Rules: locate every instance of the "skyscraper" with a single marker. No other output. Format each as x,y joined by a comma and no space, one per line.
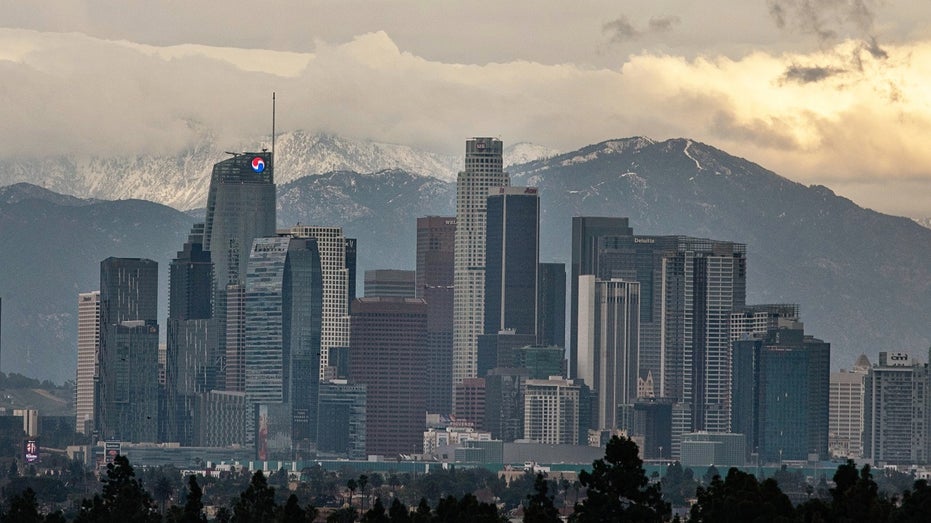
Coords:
240,208
896,414
512,260
436,238
336,269
551,411
845,427
192,360
609,344
88,343
794,393
688,289
483,171
551,305
283,304
386,350
128,388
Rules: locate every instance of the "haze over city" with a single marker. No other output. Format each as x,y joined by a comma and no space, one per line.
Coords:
830,92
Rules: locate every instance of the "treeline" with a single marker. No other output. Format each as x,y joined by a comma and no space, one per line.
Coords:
616,489
18,381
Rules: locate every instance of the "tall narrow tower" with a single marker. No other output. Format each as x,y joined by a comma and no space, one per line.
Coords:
88,340
240,208
483,171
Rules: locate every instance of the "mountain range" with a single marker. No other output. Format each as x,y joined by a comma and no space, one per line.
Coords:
862,278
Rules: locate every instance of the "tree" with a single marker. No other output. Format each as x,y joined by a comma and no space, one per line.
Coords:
162,491
739,497
399,513
467,510
856,496
916,504
678,484
192,512
257,503
363,481
540,507
123,498
376,514
23,508
351,485
292,512
618,488
423,514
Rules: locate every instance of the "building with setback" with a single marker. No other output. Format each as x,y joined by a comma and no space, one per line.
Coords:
387,347
609,344
436,238
483,171
128,389
191,332
337,262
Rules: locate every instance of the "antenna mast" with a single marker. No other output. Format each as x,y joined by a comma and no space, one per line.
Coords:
273,129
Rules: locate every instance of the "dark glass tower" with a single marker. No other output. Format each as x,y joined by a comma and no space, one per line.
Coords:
192,361
551,305
512,260
436,237
283,311
128,388
240,208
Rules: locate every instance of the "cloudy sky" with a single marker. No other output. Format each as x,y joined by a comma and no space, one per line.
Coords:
833,92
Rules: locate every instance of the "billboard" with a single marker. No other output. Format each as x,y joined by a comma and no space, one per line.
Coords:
111,450
31,451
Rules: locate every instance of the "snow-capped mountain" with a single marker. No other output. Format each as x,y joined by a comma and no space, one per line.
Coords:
181,180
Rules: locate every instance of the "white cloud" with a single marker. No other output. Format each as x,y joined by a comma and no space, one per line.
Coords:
865,121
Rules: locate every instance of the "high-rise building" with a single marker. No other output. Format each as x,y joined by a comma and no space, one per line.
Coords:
504,403
845,426
389,283
895,430
284,296
551,305
745,390
753,321
240,208
469,403
541,362
343,406
192,362
512,260
497,350
483,172
338,285
794,393
128,389
551,411
88,343
609,344
387,347
688,289
436,237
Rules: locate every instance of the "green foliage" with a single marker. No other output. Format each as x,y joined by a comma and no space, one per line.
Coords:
540,507
123,498
856,496
376,514
466,510
292,512
618,488
678,485
192,512
739,497
257,503
399,513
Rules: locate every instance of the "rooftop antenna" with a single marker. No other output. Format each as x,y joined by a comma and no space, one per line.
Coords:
273,131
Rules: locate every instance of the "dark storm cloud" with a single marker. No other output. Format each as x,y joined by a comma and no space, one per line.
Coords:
828,19
661,24
622,29
806,75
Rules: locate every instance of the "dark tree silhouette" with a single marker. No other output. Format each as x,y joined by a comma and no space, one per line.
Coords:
123,498
618,488
292,512
739,497
376,514
257,503
540,507
399,513
192,512
856,496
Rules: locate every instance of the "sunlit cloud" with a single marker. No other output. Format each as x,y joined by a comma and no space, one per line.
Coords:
841,115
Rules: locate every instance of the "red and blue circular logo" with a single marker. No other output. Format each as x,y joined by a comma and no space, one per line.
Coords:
258,164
